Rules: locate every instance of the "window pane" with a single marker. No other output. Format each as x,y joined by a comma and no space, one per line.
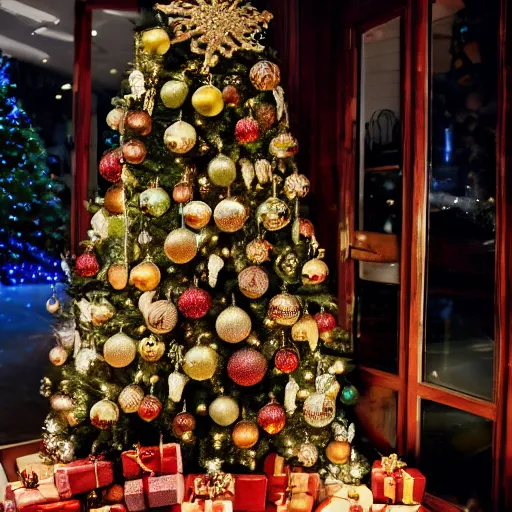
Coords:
460,295
456,454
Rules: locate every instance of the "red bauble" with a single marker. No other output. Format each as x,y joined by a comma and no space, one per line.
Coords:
230,95
325,321
247,130
138,122
272,418
286,360
150,408
194,303
183,422
87,265
110,166
247,367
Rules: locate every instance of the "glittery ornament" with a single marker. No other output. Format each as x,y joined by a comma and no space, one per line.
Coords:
245,434
247,367
200,363
114,199
315,271
181,246
319,410
183,422
265,75
149,408
134,151
208,101
156,41
274,214
230,215
197,214
224,411
154,201
115,118
296,186
253,282
306,329
182,192
349,395
118,276
85,359
265,115
284,145
87,265
247,130
222,171
338,452
233,325
145,276
231,96
326,322
194,303
61,403
286,360
151,349
138,122
180,137
284,309
263,169
247,171
52,305
177,382
272,418
104,414
258,250
130,398
119,350
174,93
110,166
307,454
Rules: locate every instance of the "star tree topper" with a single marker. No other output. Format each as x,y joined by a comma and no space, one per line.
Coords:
216,27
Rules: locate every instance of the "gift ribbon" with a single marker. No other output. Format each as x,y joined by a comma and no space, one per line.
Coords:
147,453
408,493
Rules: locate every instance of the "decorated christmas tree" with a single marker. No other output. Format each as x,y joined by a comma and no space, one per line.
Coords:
34,222
201,308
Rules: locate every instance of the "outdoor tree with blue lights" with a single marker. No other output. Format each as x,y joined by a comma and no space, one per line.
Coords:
33,223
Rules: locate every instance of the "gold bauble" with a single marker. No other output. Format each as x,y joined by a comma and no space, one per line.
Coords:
338,452
245,434
200,363
269,323
156,41
309,376
274,214
314,271
303,394
202,409
224,411
233,325
145,276
265,75
222,171
151,349
130,398
174,93
208,101
226,252
58,355
182,192
161,316
115,118
114,199
180,137
52,305
118,276
253,340
120,350
187,437
284,309
181,246
230,215
253,282
197,214
104,414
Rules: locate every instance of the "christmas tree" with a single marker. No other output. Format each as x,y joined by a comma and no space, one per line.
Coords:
34,223
201,308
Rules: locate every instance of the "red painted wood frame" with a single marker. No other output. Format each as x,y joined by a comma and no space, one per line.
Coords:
416,97
82,92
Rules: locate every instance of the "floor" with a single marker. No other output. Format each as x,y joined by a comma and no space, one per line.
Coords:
25,340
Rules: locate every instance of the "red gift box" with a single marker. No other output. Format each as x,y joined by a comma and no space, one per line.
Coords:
277,474
82,476
206,487
251,493
59,506
164,459
163,491
207,506
308,483
24,497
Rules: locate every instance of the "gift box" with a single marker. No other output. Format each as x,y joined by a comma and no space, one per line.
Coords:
27,493
251,493
308,483
7,506
134,495
207,506
110,508
220,487
58,506
35,463
164,459
163,491
277,475
82,476
396,508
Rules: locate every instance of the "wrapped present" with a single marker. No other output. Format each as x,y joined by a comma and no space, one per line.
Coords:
396,508
82,476
251,493
31,491
165,490
35,463
134,495
164,459
308,483
301,502
220,486
357,494
58,506
110,508
7,506
277,474
207,506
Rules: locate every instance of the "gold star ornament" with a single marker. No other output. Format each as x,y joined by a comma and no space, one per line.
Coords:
216,27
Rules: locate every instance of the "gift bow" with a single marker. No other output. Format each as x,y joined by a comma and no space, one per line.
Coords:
142,454
392,463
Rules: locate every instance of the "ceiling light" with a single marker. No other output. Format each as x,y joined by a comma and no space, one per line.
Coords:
59,35
58,96
44,61
113,71
94,33
22,51
66,87
20,9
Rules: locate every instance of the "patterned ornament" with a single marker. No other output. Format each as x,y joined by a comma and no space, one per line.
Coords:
104,414
286,360
263,170
181,246
174,93
284,145
247,130
224,411
150,408
265,115
338,452
137,85
306,329
247,171
102,312
115,118
274,214
138,122
326,323
134,151
177,382
349,395
183,422
222,171
319,410
111,167
118,276
258,250
114,199
231,96
265,75
253,282
247,367
145,276
245,434
306,228
85,359
119,350
182,192
156,41
284,309
130,398
151,349
200,363
208,101
307,454
87,265
161,316
233,325
197,214
296,186
154,201
315,271
272,418
180,137
230,215
194,303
